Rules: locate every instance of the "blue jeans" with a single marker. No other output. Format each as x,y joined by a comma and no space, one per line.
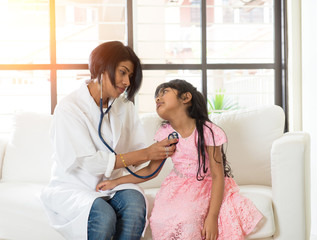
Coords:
121,217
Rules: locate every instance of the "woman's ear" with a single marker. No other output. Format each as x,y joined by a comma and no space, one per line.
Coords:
187,97
100,79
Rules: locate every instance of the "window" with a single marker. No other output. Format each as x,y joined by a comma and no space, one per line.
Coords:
227,48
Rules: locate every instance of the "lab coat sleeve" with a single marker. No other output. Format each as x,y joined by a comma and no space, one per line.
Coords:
72,143
98,164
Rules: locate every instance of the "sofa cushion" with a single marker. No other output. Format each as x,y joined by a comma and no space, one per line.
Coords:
28,153
250,136
151,123
23,216
261,196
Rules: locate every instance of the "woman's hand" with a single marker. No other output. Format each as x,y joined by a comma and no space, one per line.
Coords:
210,230
106,185
162,149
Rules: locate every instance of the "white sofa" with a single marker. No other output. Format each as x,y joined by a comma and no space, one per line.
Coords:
272,169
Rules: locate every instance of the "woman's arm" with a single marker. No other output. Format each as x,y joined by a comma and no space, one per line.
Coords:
210,230
157,151
110,184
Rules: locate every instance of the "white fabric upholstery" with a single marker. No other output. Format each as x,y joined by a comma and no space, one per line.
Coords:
291,185
261,196
28,153
270,167
22,216
3,145
250,135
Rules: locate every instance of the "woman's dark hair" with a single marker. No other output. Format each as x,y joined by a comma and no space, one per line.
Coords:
107,56
198,111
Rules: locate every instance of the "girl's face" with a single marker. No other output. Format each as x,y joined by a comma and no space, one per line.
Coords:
167,102
123,74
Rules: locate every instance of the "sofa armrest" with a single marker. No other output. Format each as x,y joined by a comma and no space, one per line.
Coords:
290,169
3,145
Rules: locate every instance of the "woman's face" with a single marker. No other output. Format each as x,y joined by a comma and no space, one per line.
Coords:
123,74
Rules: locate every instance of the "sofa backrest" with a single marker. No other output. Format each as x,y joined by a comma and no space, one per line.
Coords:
151,123
250,134
28,152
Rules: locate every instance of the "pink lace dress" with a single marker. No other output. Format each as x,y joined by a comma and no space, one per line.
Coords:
182,202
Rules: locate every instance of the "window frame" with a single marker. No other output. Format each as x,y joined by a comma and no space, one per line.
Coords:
279,65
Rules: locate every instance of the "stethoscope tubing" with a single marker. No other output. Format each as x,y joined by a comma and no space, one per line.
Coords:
102,114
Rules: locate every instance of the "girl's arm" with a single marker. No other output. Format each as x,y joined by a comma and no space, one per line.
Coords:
210,230
110,184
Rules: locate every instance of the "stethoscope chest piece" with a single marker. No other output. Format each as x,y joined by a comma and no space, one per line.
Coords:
173,135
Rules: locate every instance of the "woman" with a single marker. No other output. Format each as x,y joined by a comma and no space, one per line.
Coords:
81,160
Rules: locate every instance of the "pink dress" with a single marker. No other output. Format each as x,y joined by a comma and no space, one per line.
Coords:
182,202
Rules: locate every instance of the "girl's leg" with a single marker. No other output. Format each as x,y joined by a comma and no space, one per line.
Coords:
101,221
130,208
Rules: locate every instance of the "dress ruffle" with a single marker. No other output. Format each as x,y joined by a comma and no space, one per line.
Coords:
238,216
181,207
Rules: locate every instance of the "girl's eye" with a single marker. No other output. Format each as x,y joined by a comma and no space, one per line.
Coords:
122,72
161,93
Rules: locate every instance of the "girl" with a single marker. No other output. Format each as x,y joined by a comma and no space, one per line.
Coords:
199,198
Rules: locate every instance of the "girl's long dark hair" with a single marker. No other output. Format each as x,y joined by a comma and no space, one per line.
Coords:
198,111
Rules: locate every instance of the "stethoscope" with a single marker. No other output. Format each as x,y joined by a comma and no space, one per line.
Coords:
102,114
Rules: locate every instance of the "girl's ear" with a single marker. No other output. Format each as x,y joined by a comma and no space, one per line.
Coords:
187,97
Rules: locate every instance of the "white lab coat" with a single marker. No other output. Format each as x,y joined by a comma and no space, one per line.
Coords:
81,160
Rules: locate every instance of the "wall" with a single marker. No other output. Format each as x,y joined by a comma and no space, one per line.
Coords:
302,70
309,91
294,65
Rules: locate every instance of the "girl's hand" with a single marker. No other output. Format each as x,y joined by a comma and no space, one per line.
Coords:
162,149
210,230
106,185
